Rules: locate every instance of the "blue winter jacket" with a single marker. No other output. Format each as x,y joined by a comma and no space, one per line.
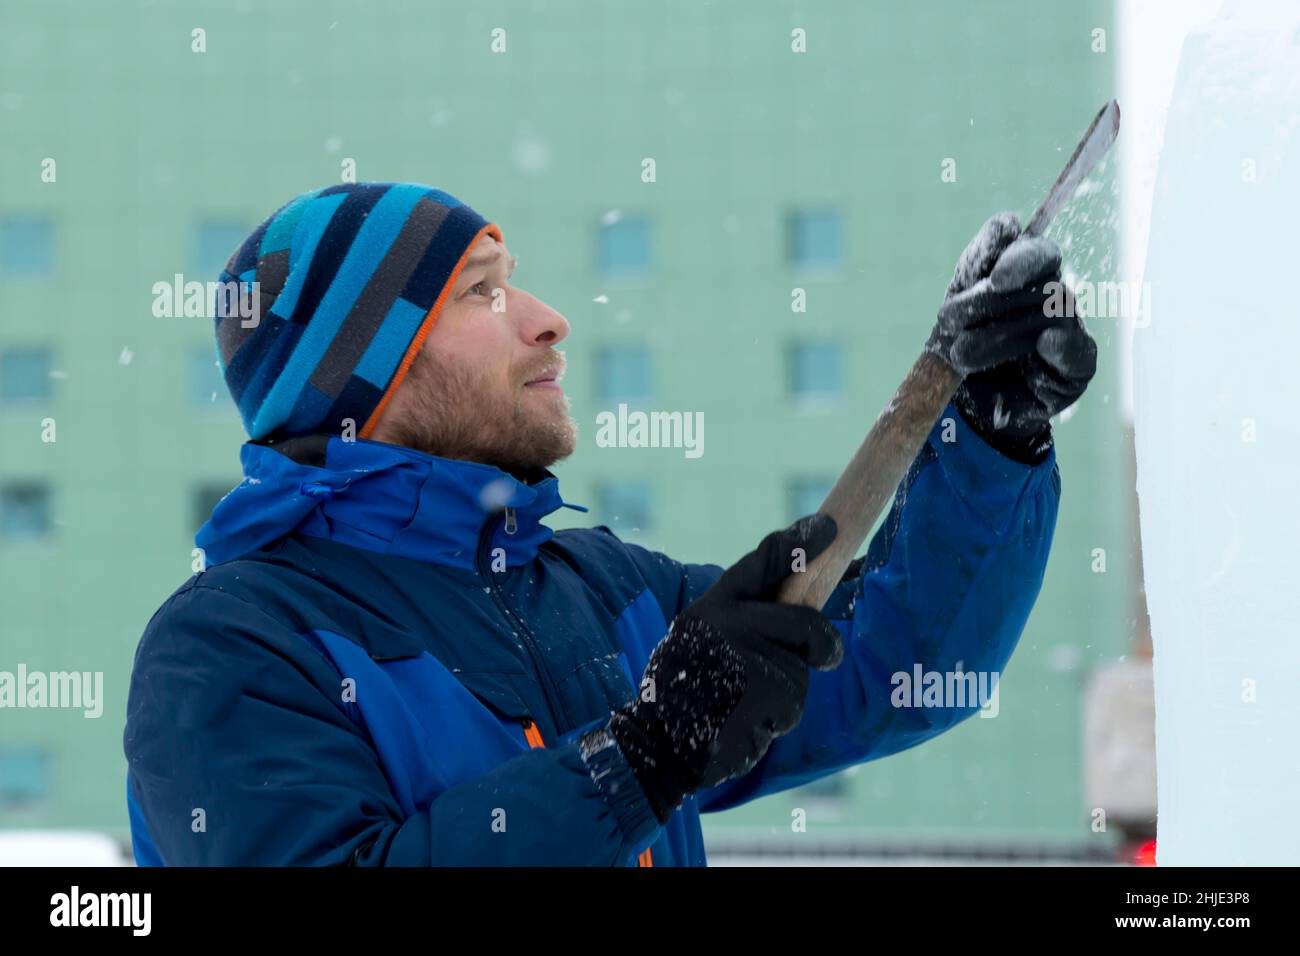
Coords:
389,658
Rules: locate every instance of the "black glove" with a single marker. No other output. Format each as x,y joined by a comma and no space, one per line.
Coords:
1045,361
994,309
731,674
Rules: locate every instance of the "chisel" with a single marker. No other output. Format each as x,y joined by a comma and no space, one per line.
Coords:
884,456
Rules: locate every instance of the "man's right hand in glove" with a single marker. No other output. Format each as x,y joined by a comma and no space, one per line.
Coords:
1023,362
731,674
994,308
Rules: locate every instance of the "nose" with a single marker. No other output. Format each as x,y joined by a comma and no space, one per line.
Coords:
539,324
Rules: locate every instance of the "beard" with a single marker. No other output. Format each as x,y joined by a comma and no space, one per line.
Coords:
454,411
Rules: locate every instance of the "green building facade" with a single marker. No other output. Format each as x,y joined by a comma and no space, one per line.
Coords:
670,176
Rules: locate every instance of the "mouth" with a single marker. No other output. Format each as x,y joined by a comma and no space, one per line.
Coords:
548,380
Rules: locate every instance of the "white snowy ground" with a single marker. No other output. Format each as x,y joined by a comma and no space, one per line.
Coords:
60,848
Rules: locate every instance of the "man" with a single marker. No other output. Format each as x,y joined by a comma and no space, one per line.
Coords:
391,660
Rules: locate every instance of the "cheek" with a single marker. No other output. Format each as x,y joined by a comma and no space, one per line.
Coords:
476,341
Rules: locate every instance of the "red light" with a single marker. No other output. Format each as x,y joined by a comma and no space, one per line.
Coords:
1145,854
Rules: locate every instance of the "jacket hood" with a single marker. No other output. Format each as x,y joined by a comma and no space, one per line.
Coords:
381,497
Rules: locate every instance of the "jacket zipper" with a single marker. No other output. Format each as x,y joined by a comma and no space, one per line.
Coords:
531,731
530,643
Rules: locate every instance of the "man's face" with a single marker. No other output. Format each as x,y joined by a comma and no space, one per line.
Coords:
485,384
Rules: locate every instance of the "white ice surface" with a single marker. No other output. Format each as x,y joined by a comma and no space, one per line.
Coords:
1219,513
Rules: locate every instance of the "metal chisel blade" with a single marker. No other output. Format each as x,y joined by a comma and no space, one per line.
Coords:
1093,146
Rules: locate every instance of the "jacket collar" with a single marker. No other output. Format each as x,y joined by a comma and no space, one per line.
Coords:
383,498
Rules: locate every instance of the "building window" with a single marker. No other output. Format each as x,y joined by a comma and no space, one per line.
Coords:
208,390
814,239
204,500
26,247
624,374
815,372
25,512
214,244
805,495
25,374
625,506
24,777
625,248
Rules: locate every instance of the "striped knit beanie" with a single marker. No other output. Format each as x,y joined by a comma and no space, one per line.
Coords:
349,281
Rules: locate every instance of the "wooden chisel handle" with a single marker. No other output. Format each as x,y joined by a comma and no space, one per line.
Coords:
886,453
871,477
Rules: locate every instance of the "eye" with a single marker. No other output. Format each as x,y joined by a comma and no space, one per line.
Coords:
478,288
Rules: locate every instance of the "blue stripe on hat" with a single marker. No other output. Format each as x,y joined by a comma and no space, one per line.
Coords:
455,234
280,233
310,409
305,239
362,256
446,199
245,257
249,359
333,247
386,349
355,401
268,370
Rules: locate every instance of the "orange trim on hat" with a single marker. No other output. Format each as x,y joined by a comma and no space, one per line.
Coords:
490,229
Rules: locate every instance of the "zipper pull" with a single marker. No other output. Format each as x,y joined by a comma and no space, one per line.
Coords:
511,527
532,734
